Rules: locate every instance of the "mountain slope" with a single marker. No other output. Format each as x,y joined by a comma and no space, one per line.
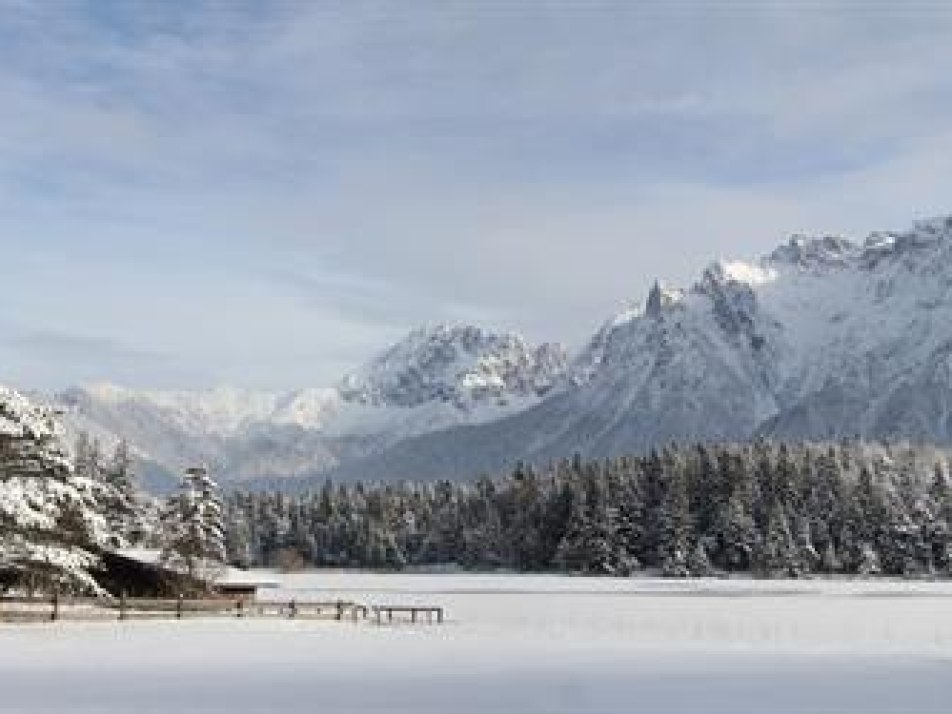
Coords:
822,338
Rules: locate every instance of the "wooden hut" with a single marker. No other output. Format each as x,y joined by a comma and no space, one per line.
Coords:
140,572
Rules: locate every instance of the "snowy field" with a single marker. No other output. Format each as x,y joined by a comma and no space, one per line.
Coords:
513,644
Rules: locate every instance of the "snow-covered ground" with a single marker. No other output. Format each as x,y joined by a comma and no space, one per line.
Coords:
513,644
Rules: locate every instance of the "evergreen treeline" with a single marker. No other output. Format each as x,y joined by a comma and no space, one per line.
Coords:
774,510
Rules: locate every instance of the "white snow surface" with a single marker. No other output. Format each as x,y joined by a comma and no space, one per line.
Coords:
520,644
749,273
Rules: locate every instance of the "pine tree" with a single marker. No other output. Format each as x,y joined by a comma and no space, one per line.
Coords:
625,490
121,499
674,519
49,529
776,554
738,534
939,520
193,528
830,561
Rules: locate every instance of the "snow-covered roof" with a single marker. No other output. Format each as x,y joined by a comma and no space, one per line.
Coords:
146,556
231,576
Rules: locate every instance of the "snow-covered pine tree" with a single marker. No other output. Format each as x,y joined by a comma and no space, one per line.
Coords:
737,534
483,543
625,490
777,555
238,531
123,512
111,485
674,518
572,554
830,561
939,519
699,564
733,529
592,541
193,528
49,528
808,557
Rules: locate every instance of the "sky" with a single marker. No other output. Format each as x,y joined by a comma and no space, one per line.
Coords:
265,194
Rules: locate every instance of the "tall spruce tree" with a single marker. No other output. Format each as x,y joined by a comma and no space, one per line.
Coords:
193,527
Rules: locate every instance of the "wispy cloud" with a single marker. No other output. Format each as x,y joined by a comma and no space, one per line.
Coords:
55,356
268,190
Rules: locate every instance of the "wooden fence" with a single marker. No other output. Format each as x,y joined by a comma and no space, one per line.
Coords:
52,609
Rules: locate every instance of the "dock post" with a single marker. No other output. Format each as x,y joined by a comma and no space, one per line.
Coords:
179,606
439,615
54,615
122,605
340,611
292,609
240,606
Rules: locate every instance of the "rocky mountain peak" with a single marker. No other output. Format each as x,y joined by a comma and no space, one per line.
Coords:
816,253
662,298
459,364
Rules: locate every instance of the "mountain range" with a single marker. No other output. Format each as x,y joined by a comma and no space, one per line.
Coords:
822,338
436,378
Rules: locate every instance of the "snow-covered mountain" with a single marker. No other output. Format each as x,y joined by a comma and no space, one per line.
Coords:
824,337
436,378
461,365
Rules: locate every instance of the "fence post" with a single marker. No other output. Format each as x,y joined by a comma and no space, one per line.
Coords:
179,606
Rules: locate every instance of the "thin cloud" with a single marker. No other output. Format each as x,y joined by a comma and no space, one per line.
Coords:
271,191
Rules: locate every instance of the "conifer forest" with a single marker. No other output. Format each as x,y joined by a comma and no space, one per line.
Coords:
768,509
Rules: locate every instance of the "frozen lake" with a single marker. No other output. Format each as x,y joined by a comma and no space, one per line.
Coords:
513,644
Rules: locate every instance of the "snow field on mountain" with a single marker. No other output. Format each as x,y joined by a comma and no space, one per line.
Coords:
513,644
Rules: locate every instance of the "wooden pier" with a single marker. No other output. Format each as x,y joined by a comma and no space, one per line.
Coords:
412,610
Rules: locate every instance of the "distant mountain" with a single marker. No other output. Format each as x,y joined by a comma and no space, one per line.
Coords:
822,338
437,377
